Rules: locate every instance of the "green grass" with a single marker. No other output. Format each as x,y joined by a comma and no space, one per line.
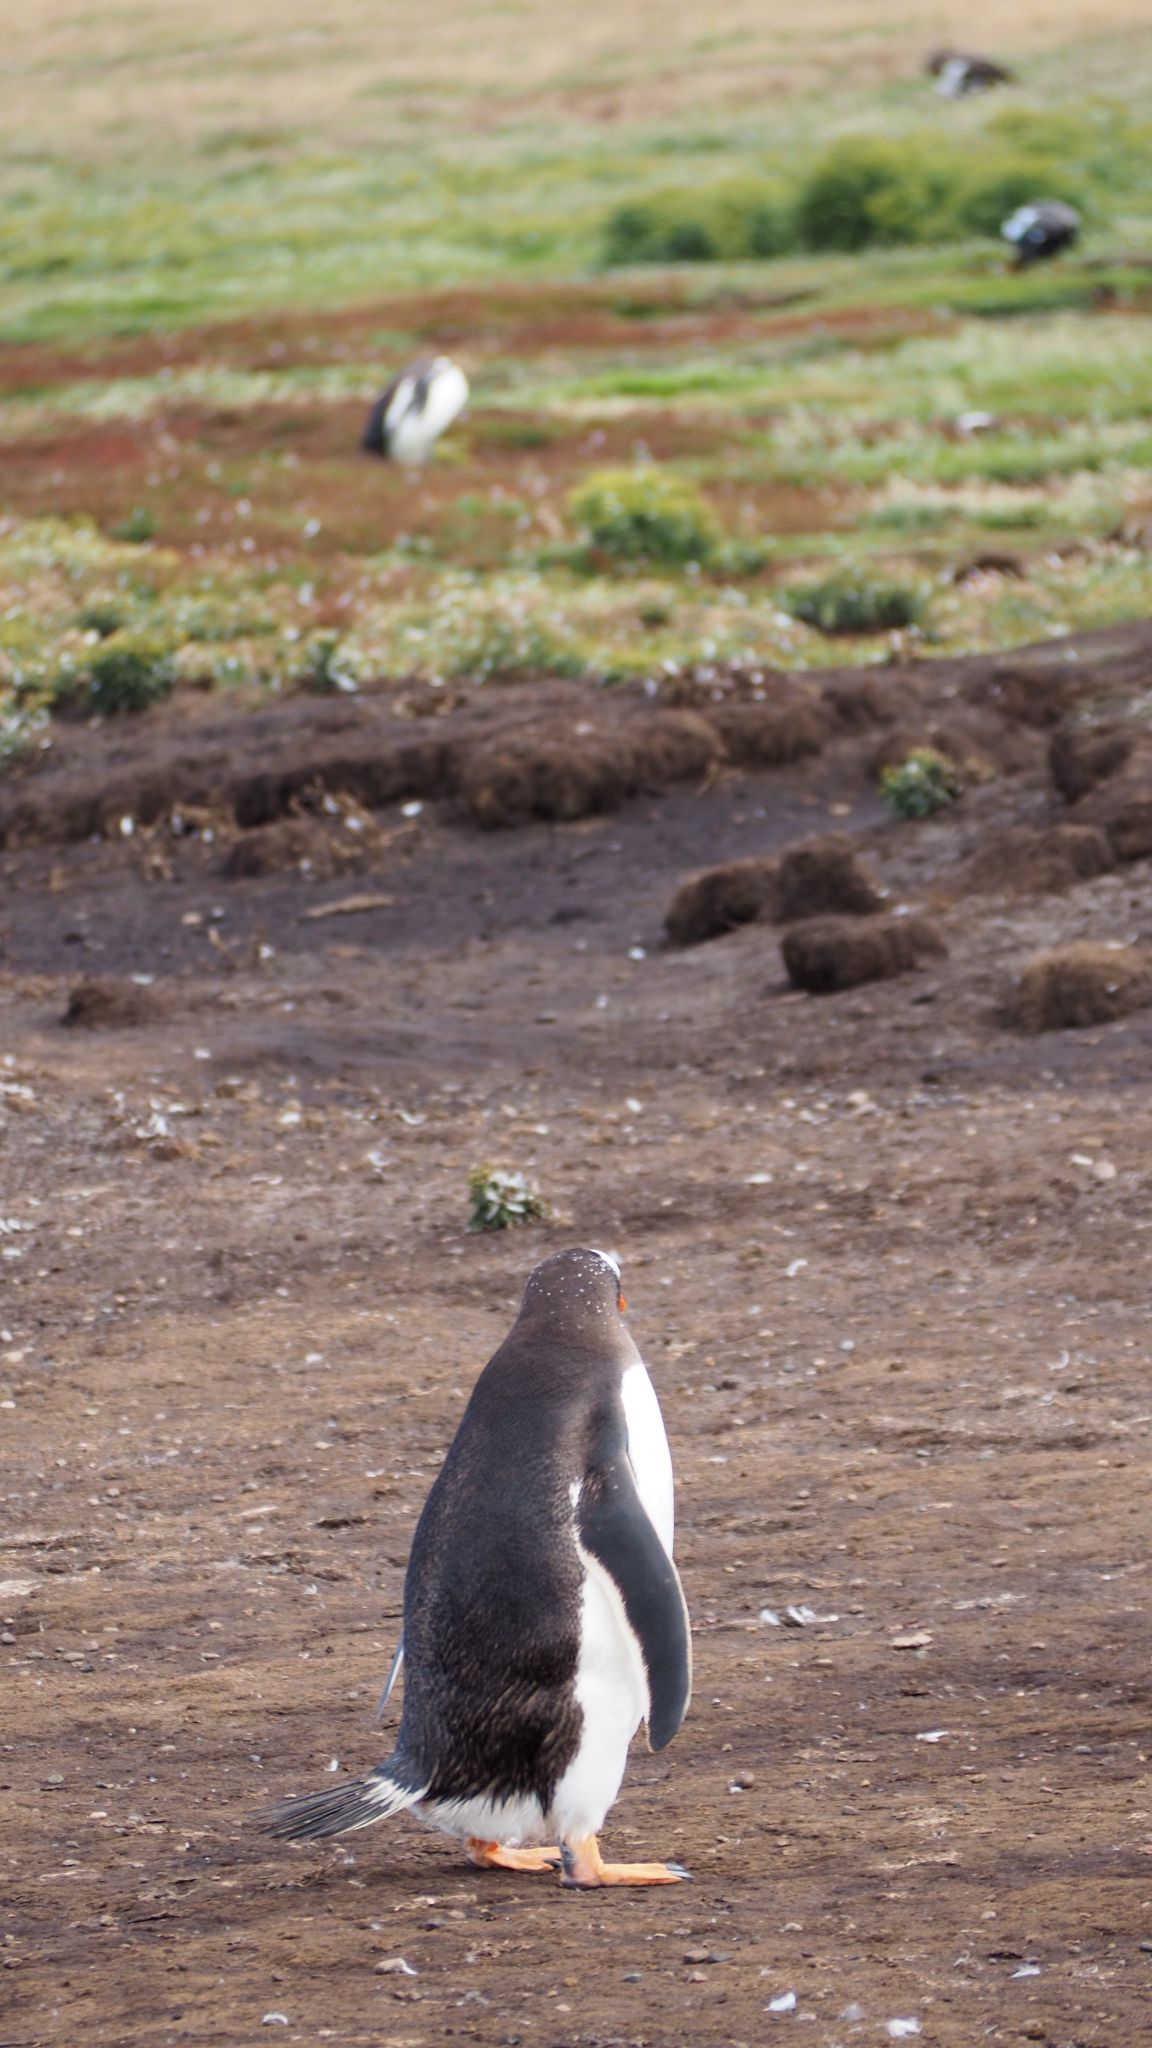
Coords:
841,408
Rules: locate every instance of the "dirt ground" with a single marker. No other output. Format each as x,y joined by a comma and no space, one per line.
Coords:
887,1260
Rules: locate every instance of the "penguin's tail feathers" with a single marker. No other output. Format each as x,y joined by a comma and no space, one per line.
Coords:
357,1804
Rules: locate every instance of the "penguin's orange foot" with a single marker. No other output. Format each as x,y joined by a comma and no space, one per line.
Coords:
494,1856
584,1868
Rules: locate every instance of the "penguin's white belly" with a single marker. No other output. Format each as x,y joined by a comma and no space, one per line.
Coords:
612,1693
517,1823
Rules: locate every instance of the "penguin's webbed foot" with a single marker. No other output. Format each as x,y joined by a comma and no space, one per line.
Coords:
584,1869
494,1856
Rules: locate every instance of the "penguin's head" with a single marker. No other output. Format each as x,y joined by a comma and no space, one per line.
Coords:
575,1285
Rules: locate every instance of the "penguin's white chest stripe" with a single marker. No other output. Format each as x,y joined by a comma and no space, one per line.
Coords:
648,1452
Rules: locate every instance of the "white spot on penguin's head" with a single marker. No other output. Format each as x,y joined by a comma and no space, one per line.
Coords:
608,1259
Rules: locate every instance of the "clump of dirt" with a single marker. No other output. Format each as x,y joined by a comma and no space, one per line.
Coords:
1122,807
342,839
991,563
825,954
1082,984
769,735
1028,692
566,774
1080,757
977,743
107,1003
720,898
824,877
821,876
861,699
1028,862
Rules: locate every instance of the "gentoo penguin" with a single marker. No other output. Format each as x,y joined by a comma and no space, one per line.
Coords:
960,72
410,416
543,1615
1042,229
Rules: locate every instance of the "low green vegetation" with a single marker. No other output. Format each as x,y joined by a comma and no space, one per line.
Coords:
645,514
923,783
127,673
502,1198
833,424
883,190
854,604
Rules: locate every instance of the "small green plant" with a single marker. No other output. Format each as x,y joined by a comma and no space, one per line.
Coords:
139,525
842,604
644,514
868,189
728,221
924,783
321,669
502,1198
128,673
102,615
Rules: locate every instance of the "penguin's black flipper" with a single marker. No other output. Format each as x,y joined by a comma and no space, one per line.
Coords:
373,440
614,1527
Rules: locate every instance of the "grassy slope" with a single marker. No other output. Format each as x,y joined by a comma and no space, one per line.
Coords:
153,173
155,176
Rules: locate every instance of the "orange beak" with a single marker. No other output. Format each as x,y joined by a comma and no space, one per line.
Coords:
620,1301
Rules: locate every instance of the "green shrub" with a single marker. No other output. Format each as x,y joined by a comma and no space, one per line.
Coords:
321,668
139,525
501,1199
841,604
922,188
729,221
128,673
644,514
924,783
869,188
101,615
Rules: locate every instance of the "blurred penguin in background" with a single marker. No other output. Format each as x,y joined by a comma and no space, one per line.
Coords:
959,73
419,404
1045,228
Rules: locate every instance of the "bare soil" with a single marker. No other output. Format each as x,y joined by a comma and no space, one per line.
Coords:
887,1259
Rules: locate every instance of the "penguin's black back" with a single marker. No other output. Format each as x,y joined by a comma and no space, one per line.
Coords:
492,1599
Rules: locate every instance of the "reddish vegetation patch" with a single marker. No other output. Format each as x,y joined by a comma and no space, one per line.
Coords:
514,466
524,320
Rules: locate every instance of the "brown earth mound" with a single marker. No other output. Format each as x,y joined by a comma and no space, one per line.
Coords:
1122,807
772,734
978,743
343,842
717,900
1027,694
1033,863
831,953
1082,984
1082,756
566,774
105,1003
858,701
824,877
504,752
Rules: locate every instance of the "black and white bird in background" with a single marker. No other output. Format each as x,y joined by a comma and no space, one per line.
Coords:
419,404
959,73
543,1614
1044,228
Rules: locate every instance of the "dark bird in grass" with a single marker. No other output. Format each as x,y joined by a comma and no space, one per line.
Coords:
1045,228
419,404
959,73
543,1615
